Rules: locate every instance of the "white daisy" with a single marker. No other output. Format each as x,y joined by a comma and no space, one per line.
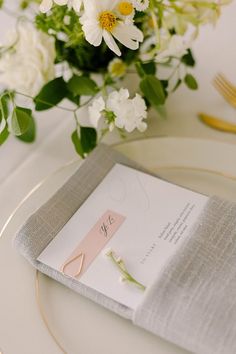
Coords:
46,5
102,20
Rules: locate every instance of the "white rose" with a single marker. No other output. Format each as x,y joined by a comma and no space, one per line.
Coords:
30,63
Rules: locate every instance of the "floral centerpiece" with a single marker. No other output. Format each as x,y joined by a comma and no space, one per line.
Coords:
81,50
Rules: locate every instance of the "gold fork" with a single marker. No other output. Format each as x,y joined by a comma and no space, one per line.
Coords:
226,89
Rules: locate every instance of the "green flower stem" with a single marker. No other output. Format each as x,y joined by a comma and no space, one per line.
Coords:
123,270
45,102
52,105
155,23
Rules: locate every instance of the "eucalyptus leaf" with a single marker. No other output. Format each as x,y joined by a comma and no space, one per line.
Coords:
153,90
51,94
30,135
82,85
191,82
20,120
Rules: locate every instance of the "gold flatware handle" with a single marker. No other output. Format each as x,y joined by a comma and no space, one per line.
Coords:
217,123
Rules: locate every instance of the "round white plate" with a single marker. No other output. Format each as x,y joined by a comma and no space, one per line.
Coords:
82,326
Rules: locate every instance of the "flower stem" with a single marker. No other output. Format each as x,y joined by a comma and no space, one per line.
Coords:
123,270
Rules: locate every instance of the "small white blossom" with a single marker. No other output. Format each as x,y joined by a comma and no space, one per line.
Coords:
46,5
102,20
116,99
30,63
129,113
140,5
95,111
176,47
124,112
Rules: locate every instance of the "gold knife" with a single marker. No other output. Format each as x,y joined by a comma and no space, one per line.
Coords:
217,123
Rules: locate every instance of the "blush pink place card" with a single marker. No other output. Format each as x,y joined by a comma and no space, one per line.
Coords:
142,218
92,244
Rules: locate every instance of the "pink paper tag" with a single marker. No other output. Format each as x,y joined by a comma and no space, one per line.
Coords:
92,244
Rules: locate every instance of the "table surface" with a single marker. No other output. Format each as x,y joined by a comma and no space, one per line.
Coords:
23,166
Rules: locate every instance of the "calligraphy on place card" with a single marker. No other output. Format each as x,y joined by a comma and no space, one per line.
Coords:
91,245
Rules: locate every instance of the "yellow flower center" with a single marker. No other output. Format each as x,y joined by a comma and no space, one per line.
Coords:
107,20
125,8
117,68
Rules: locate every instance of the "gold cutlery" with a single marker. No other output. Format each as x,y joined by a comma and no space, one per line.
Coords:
217,123
225,88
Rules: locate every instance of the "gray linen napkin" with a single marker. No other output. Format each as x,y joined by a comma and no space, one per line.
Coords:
193,301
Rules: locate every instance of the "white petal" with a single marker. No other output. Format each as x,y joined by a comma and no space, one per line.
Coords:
91,7
93,34
61,2
106,4
45,5
77,5
134,32
111,42
83,117
94,117
142,126
128,35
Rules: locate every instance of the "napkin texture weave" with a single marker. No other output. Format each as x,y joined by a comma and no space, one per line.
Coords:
192,303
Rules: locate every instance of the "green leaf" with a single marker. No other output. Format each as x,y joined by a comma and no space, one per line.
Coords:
139,69
88,138
30,135
77,144
82,85
153,90
165,84
178,83
72,98
20,120
188,59
149,68
51,94
162,111
4,135
191,82
4,111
